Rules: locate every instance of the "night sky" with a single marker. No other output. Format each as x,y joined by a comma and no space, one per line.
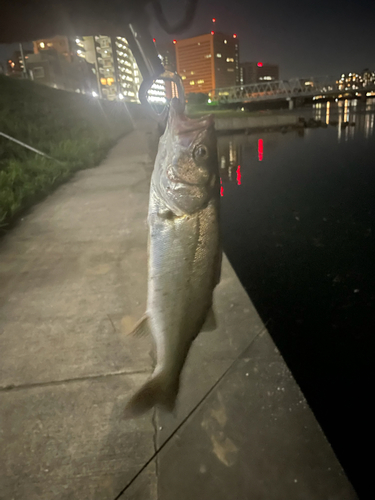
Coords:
312,38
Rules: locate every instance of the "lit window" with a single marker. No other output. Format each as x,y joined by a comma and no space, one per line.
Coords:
207,56
192,72
230,59
230,70
200,81
183,77
225,41
42,45
103,81
218,55
192,82
110,81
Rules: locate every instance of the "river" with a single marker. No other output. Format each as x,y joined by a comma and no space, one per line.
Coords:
298,212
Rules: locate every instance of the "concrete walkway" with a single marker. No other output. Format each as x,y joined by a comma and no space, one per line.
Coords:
72,284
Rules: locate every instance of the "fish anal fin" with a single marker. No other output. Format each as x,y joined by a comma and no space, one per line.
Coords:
141,328
210,323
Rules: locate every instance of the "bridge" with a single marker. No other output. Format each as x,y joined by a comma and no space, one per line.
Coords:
286,89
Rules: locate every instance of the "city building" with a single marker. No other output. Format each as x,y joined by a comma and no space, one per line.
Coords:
51,68
356,81
15,65
117,73
255,72
100,65
368,77
61,44
167,54
208,61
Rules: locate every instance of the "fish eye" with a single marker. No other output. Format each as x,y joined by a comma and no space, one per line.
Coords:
200,152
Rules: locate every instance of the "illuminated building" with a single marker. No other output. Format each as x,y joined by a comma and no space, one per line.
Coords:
350,81
15,64
167,54
117,72
104,64
255,72
355,81
368,77
60,44
208,61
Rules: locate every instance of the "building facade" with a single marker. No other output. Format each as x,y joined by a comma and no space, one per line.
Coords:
118,75
101,65
208,61
60,44
15,65
350,81
167,54
258,72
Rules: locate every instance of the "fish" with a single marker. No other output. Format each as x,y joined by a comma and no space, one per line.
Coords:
184,252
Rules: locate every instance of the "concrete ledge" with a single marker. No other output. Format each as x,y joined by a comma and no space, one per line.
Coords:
73,283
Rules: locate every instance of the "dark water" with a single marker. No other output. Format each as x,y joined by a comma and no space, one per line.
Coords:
298,213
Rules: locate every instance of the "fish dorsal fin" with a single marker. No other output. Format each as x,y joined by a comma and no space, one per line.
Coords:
141,328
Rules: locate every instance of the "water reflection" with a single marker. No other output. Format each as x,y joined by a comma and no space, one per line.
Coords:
328,106
351,118
260,149
348,115
229,152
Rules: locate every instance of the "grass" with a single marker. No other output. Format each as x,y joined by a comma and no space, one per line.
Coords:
74,129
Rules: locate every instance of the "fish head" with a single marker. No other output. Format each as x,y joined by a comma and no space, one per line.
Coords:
186,172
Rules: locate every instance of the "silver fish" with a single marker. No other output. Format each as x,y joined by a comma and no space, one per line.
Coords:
184,251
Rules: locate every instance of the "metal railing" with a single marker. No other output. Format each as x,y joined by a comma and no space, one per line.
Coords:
280,89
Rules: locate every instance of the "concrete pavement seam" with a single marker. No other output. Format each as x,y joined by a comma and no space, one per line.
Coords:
13,387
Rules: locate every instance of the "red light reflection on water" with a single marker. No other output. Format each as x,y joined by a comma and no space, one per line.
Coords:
239,175
260,149
221,188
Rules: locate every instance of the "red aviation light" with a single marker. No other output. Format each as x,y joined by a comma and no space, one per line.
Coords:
234,35
212,32
260,64
214,19
174,41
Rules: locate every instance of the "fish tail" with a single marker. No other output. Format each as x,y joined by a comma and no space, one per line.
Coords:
157,391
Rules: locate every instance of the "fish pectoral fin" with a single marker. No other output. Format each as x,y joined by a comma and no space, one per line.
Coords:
141,328
210,323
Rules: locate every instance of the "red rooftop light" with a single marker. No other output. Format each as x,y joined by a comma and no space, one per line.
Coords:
260,64
212,32
174,41
214,19
154,40
234,35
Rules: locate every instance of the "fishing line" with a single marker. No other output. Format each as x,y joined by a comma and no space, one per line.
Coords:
155,454
28,147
